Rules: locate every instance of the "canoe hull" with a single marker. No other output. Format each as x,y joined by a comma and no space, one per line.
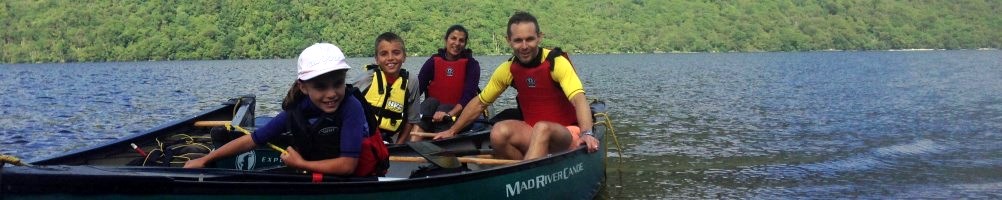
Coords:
574,174
569,177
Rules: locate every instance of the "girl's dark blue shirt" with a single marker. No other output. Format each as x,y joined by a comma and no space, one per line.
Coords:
353,129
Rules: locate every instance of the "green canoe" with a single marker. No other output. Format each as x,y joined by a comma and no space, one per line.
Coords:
104,171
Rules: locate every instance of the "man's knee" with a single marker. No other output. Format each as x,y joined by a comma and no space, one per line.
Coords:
548,129
504,131
554,134
499,133
505,128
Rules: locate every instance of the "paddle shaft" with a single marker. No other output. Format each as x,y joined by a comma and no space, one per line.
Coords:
423,134
211,123
12,160
276,148
241,129
481,161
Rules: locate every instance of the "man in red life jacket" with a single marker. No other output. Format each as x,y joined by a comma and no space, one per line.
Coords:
556,115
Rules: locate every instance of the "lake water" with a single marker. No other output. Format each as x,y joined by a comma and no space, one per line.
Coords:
924,124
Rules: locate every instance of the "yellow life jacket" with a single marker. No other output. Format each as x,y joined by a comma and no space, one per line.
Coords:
389,103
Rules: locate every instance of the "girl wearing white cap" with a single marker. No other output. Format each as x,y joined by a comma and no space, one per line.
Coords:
327,122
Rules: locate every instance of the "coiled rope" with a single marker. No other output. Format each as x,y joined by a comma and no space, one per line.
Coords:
607,123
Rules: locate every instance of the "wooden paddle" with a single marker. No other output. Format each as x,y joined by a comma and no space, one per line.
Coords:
423,134
276,148
211,123
238,128
449,158
481,161
428,151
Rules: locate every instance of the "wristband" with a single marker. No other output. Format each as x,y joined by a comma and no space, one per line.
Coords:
588,133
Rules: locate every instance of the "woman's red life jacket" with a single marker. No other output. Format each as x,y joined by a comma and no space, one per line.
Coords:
447,84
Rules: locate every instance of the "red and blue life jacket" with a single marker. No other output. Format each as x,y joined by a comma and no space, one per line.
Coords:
322,140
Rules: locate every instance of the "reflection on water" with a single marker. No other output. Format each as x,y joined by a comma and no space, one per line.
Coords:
708,125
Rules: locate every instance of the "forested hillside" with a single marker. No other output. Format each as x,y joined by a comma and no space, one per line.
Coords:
83,31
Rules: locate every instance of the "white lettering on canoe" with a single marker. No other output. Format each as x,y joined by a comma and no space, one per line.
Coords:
540,181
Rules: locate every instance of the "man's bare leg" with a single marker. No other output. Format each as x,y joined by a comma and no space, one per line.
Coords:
510,139
548,137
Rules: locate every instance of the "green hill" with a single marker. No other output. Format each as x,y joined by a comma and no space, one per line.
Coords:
76,31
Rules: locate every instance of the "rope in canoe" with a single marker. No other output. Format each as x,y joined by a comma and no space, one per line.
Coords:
607,123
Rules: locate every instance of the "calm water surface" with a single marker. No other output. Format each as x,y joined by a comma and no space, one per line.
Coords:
708,125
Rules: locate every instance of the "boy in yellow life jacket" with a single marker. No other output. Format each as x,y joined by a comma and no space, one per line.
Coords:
388,88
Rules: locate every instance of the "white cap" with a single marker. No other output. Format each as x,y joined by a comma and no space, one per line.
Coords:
320,58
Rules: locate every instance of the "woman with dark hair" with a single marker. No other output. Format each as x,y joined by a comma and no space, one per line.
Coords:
448,79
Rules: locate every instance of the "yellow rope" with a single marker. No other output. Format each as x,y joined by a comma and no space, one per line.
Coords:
607,122
160,145
183,157
187,138
147,159
192,144
236,107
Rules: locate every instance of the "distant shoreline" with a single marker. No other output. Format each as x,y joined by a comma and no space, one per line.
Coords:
674,52
72,31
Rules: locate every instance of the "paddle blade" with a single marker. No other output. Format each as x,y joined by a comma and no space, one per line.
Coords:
428,151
